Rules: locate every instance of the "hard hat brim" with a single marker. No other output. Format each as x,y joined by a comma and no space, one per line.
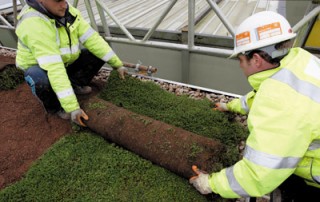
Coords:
234,55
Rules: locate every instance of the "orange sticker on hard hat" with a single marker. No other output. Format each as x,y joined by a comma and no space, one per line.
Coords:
269,30
243,39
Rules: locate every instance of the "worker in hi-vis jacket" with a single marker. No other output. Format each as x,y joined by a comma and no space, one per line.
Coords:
283,147
60,54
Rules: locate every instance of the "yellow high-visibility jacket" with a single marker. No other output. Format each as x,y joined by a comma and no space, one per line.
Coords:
243,104
41,42
284,130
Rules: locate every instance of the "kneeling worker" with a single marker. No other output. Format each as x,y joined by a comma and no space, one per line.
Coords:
283,147
50,34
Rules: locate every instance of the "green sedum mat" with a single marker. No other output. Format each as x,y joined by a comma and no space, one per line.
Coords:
85,167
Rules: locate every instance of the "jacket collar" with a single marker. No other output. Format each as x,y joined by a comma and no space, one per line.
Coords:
60,21
255,80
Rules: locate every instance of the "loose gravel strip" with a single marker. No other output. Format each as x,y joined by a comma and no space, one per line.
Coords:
7,52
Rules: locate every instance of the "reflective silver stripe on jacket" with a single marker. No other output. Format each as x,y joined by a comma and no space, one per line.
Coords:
303,87
32,14
65,93
269,160
244,103
235,186
316,178
67,50
86,35
40,15
315,144
261,159
49,59
108,56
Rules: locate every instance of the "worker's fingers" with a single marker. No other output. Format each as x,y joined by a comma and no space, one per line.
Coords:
222,107
122,72
80,122
195,169
84,115
81,117
216,107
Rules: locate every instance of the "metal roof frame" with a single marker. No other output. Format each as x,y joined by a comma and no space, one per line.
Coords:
186,41
192,44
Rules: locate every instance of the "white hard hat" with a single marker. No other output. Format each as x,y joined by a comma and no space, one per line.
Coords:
261,30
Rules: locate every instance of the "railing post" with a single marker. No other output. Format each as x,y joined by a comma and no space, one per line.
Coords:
15,11
91,16
221,16
191,15
103,20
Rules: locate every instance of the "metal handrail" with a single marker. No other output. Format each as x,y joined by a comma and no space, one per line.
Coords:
174,46
145,41
7,24
222,17
312,14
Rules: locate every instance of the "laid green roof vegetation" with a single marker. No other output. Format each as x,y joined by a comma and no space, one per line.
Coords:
84,167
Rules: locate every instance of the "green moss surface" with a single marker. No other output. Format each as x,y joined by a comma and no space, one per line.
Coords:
147,98
10,78
84,167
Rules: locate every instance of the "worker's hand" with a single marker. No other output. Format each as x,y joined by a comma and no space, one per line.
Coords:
220,106
122,71
77,116
200,181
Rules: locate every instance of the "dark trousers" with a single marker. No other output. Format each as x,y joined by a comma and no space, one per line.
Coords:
295,189
80,73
